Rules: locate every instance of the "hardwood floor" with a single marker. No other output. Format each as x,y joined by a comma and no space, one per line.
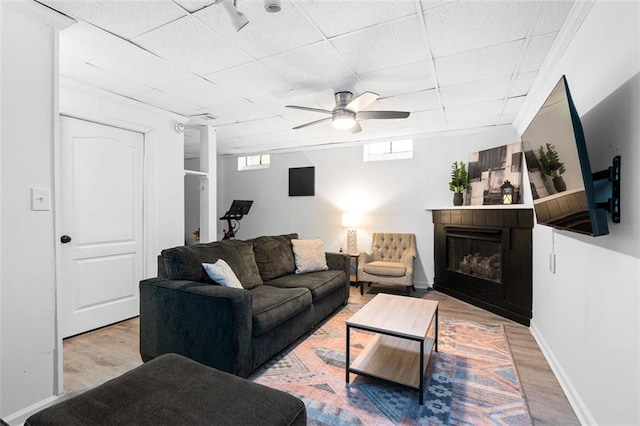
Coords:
95,357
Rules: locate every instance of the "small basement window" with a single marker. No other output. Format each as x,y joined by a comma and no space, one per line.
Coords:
253,162
392,150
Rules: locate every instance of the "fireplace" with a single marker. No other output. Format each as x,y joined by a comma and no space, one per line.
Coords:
483,256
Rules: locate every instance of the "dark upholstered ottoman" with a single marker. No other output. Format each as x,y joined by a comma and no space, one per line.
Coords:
174,390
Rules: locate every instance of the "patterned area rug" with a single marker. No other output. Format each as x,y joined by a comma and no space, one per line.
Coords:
471,380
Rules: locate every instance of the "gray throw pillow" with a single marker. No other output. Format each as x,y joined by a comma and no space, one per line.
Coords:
274,255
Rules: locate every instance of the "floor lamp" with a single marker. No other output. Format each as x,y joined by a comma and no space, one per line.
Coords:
351,221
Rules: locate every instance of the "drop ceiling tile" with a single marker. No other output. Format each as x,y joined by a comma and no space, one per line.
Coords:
202,92
507,119
473,124
425,128
431,4
250,80
340,17
166,101
536,52
135,63
193,45
480,64
124,18
553,14
522,84
418,101
194,5
513,105
243,110
464,26
255,127
97,77
307,66
423,118
266,33
384,46
491,109
477,91
84,41
400,80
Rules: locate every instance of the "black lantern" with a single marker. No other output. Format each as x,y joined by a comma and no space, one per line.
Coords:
507,192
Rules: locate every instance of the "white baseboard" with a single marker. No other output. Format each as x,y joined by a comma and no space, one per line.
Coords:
422,284
578,405
19,417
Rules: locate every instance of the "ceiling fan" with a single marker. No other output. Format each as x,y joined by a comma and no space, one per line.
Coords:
348,112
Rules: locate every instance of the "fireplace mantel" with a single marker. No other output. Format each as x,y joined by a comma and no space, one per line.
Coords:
488,207
511,296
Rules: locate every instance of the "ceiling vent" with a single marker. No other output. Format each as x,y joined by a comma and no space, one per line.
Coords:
206,118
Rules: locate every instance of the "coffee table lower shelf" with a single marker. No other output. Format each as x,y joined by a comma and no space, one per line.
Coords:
394,359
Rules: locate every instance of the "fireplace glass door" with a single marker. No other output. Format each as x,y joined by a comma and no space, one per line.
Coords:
480,258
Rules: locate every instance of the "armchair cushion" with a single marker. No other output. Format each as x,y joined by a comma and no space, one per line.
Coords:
390,269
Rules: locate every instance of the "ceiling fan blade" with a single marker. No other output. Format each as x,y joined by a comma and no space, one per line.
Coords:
356,128
368,115
362,101
309,109
312,123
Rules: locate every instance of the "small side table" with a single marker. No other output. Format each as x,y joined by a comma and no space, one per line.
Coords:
353,279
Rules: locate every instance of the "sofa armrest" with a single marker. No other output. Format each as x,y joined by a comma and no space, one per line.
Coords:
208,323
341,262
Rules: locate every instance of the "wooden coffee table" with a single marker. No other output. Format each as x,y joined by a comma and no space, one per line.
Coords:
399,353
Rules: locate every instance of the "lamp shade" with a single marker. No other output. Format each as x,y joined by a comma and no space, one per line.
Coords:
351,220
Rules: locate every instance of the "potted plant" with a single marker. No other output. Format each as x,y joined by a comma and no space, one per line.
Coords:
551,165
458,181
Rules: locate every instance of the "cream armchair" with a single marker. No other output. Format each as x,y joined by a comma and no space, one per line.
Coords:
390,261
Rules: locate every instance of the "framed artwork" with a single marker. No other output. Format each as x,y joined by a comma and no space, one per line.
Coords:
489,170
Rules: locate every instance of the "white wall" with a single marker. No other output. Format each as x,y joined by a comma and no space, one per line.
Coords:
30,362
391,195
29,111
586,316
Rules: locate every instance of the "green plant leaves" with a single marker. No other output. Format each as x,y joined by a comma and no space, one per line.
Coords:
458,181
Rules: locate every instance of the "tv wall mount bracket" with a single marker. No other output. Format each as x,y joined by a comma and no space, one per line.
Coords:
612,174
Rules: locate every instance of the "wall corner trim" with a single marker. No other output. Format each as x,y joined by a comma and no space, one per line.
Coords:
578,405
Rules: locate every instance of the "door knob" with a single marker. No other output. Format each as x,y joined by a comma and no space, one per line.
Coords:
65,239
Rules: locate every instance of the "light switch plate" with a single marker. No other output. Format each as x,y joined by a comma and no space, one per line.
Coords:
40,199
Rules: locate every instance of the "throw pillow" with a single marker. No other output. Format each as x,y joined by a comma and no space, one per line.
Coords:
222,273
309,255
238,255
274,255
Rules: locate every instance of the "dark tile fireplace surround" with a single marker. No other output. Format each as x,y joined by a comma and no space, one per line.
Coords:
483,257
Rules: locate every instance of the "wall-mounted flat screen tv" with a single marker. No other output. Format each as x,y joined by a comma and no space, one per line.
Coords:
302,181
559,169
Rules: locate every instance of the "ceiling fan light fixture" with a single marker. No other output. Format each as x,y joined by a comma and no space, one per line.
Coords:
343,120
238,19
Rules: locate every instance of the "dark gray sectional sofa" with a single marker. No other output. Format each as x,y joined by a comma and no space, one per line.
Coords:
236,330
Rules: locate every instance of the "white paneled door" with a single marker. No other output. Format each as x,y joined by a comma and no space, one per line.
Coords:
101,172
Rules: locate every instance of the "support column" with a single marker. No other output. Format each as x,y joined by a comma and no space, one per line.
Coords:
208,183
